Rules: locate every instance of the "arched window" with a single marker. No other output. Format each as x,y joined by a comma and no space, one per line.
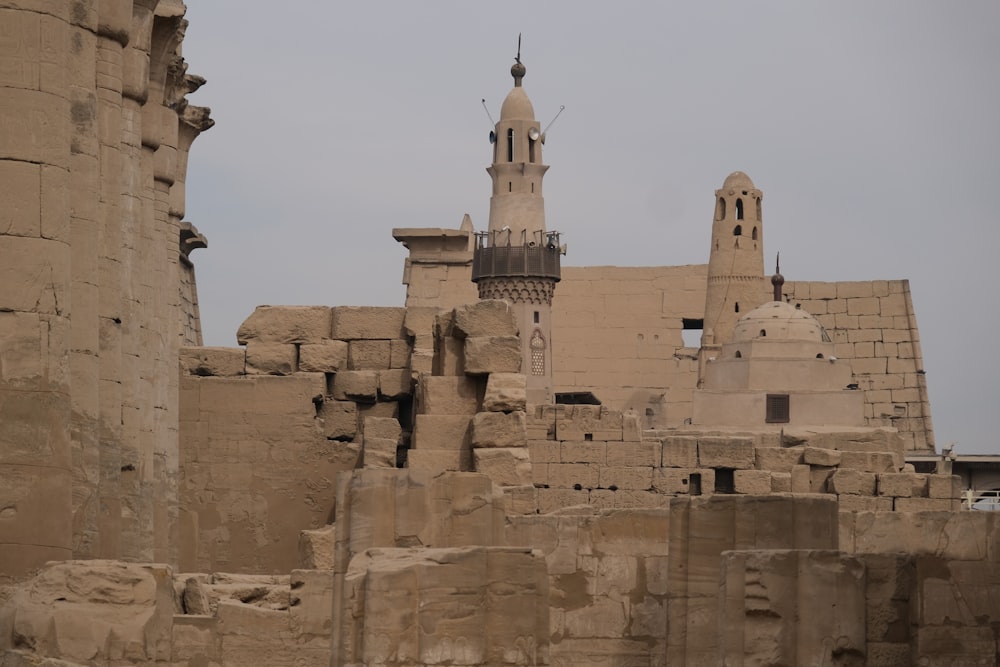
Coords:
737,306
753,234
531,150
738,355
739,209
510,145
759,217
537,345
720,210
819,356
738,230
763,333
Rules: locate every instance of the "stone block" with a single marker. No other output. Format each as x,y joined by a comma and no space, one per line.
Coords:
944,486
506,466
583,452
492,354
573,475
448,395
721,452
438,460
633,478
356,385
801,479
368,322
781,482
854,503
326,356
852,482
441,432
679,480
383,409
545,451
896,484
505,392
922,504
499,429
679,452
399,353
382,427
316,548
626,454
550,500
366,355
379,452
286,324
218,361
340,419
419,320
868,461
819,478
520,499
484,318
777,459
818,456
271,358
395,383
752,482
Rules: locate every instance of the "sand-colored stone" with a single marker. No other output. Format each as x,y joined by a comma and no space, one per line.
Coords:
505,392
498,429
286,324
224,361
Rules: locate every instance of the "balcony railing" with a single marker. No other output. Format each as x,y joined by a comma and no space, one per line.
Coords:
981,500
528,260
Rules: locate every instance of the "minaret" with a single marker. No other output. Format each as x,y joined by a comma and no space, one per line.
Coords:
736,283
517,260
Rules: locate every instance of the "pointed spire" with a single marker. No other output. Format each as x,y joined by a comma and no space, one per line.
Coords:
517,70
777,280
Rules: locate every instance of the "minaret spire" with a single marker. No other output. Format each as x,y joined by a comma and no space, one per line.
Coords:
517,258
777,280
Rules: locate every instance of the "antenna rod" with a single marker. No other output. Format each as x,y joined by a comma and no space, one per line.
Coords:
561,107
488,112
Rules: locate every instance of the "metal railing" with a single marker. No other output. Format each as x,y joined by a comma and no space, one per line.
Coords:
981,500
536,260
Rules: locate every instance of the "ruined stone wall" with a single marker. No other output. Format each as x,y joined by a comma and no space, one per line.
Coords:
94,130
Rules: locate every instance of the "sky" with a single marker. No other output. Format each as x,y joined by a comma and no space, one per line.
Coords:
873,130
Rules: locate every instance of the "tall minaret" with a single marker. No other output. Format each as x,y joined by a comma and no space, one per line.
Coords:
736,283
517,260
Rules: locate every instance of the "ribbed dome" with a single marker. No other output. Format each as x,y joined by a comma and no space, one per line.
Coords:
738,181
779,321
517,106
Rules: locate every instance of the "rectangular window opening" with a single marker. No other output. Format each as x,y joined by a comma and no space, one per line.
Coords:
778,409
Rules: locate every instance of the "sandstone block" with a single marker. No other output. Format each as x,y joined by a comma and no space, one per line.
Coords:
583,452
520,499
498,429
819,478
492,354
326,356
395,383
679,480
506,466
381,427
368,355
399,354
441,432
852,482
437,460
855,503
944,486
573,475
379,452
820,457
679,452
220,361
778,459
633,478
898,485
484,318
736,453
626,454
505,392
550,500
355,385
368,322
316,548
384,409
752,482
448,395
781,482
286,324
340,419
270,358
801,479
868,461
922,504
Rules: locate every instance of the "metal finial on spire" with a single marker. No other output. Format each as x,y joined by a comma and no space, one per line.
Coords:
517,70
777,280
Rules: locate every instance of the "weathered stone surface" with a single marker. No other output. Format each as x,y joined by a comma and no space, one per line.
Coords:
505,392
492,354
818,456
680,452
355,385
222,361
778,459
450,432
506,466
270,358
498,429
484,318
395,384
448,395
718,452
852,482
898,485
754,482
286,324
327,356
340,419
316,548
369,355
368,322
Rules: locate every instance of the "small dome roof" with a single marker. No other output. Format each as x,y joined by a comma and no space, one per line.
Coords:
779,321
517,106
738,181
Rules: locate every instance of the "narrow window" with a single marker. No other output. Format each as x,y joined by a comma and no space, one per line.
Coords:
536,317
537,345
510,145
753,235
758,210
739,209
531,150
510,186
720,210
532,188
724,481
694,488
737,306
777,409
763,333
738,230
739,355
691,330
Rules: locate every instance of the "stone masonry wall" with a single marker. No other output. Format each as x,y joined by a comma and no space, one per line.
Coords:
94,132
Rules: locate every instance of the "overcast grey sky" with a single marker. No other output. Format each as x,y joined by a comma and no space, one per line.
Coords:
871,128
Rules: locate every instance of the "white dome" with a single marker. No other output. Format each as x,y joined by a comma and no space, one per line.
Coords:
777,320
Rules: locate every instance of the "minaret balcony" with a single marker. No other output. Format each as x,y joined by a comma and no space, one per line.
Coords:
528,260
